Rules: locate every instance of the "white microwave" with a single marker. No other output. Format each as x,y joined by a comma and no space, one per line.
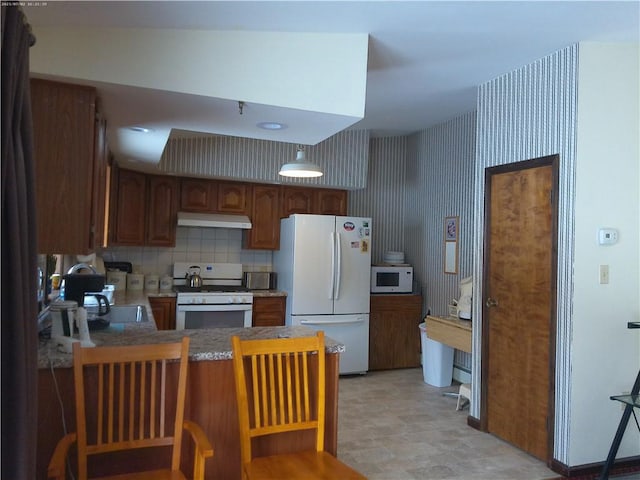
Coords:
391,279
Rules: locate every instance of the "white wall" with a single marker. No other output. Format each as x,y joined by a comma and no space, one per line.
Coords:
272,68
605,354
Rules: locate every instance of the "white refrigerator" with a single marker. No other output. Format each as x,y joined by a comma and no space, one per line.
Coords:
324,265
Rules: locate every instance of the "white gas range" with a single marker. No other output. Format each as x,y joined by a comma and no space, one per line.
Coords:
220,302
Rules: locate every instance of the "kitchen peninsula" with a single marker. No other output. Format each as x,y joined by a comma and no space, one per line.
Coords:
210,395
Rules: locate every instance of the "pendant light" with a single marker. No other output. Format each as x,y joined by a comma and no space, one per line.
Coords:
300,167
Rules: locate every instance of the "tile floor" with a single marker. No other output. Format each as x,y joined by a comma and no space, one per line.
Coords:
393,426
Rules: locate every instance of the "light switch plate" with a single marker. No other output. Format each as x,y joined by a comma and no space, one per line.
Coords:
604,274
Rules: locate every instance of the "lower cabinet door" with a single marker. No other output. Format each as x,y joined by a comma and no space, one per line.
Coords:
268,311
164,312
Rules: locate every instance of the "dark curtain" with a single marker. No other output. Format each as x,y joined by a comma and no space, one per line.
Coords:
19,256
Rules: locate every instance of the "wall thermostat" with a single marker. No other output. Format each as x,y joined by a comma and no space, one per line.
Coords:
607,236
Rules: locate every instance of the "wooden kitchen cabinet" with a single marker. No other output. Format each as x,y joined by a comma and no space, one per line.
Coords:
268,311
130,198
296,200
322,201
232,197
101,183
146,206
198,195
164,312
331,202
69,156
161,211
394,336
265,218
144,210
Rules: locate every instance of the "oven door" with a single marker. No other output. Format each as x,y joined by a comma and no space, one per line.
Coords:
213,316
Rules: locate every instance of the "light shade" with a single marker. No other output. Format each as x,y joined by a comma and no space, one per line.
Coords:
300,167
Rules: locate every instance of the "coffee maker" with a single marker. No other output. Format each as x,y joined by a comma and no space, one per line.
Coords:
78,284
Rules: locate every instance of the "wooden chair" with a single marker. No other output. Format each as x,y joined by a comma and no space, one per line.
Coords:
130,398
280,387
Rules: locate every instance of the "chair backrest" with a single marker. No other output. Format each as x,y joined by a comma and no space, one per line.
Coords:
280,387
129,397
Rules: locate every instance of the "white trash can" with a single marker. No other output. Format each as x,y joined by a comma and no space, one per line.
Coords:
437,360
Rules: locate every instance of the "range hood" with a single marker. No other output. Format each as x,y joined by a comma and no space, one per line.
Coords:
213,220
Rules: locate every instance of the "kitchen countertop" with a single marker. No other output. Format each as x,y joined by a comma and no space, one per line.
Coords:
269,293
206,344
256,293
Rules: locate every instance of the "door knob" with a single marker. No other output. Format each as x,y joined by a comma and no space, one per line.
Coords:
491,302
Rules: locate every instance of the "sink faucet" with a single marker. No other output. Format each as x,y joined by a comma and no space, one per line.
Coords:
79,266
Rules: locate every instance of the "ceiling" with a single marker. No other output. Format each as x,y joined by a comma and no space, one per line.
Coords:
425,58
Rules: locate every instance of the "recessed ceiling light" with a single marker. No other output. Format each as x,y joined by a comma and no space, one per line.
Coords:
138,128
272,125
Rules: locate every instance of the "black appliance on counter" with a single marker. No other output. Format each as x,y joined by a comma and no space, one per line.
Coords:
76,285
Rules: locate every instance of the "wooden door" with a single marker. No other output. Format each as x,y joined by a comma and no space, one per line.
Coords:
519,304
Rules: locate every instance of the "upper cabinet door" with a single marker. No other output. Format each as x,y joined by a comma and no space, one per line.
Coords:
265,220
162,211
129,217
63,136
99,206
331,202
297,200
232,197
198,195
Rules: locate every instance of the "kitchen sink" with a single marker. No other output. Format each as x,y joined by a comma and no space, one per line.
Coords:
123,314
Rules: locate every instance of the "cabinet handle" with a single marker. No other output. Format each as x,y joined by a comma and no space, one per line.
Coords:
491,302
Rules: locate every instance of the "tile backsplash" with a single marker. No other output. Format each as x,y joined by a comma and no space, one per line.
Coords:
193,244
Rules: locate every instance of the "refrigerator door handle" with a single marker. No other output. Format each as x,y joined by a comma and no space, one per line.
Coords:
331,322
339,265
333,266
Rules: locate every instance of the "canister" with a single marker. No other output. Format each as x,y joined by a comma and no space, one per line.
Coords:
151,282
135,281
118,279
166,283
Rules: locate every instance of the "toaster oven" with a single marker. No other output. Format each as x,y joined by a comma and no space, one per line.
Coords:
260,280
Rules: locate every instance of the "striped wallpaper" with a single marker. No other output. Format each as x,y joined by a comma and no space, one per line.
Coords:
384,196
343,157
525,114
439,183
